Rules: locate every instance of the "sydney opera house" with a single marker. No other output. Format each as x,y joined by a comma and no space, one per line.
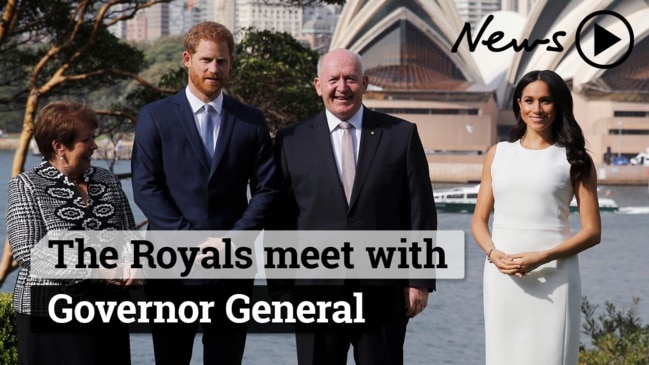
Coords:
425,66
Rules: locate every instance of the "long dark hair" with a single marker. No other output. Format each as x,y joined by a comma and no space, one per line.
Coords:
565,129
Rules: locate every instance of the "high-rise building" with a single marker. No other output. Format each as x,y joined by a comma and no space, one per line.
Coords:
224,13
267,15
157,21
318,24
136,28
472,11
176,17
149,24
179,17
523,7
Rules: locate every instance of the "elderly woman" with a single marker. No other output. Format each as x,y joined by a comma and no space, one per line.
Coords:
64,192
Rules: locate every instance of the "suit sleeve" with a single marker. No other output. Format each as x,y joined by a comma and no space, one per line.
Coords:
23,219
263,183
423,215
285,211
150,190
285,216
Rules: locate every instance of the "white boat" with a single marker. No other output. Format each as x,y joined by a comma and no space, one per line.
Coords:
456,200
634,210
605,205
34,148
463,199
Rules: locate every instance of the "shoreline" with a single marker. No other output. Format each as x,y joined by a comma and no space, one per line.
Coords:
106,151
454,170
444,168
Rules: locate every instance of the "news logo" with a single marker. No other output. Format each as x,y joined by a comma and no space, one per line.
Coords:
604,39
609,43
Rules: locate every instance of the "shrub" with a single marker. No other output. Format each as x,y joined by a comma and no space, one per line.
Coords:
8,340
617,337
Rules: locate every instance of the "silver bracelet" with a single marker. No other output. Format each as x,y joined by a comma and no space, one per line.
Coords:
489,254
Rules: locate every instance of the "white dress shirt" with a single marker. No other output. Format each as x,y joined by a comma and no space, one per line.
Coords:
199,112
337,135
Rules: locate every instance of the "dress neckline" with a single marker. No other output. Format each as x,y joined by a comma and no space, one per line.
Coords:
520,145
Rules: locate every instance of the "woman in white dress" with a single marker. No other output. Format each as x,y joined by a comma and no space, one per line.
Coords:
532,288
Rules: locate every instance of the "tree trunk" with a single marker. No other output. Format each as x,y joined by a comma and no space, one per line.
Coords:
7,265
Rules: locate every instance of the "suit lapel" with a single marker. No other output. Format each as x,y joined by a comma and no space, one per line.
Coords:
370,138
320,144
228,120
186,119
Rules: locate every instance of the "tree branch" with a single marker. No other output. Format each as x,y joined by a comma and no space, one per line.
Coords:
8,20
131,11
117,114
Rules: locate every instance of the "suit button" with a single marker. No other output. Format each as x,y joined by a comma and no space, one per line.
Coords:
350,220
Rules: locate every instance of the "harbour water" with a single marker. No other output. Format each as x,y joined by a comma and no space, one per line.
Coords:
450,330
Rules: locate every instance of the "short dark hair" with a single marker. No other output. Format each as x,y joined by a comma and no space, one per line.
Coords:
59,121
210,31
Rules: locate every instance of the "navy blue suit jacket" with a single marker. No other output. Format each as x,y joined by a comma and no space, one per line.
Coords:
175,186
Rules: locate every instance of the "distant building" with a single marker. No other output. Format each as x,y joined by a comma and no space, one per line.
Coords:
413,74
136,28
157,21
180,17
523,7
318,26
312,25
267,15
473,11
149,24
461,101
316,35
224,13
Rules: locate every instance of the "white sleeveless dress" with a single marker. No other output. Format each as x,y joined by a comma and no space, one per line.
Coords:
534,319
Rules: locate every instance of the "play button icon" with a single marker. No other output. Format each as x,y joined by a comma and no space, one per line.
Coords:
604,39
608,43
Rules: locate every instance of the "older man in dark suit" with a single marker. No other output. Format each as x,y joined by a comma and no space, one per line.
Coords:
195,155
350,168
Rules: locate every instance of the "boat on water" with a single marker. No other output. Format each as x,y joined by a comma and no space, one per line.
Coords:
463,199
456,200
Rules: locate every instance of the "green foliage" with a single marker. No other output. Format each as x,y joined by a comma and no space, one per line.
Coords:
77,64
107,52
13,66
164,69
165,50
174,79
617,337
8,339
271,71
275,73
